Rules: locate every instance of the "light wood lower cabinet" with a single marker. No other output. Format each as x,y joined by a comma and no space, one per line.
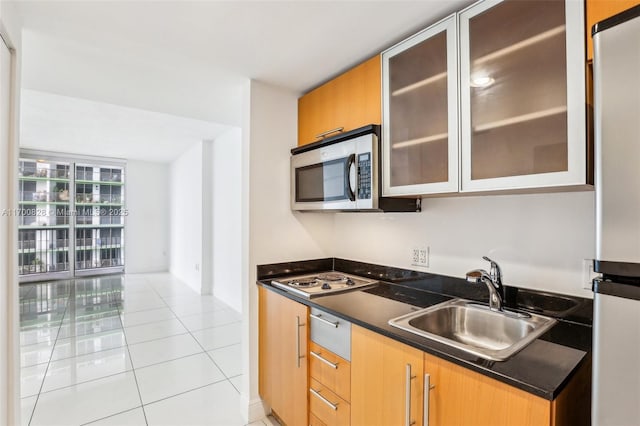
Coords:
331,370
459,396
386,381
315,421
328,407
283,367
330,390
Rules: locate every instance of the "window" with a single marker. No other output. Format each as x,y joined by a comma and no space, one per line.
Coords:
59,198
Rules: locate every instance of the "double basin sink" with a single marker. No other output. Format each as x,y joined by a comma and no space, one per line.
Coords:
474,328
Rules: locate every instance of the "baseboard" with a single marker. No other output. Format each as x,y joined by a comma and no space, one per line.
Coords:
253,410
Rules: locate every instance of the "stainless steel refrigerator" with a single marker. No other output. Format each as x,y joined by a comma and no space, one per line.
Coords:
616,327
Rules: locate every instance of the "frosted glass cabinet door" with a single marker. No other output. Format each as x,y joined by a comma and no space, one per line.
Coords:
522,94
420,119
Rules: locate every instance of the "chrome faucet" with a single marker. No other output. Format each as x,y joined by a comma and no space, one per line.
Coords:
493,281
496,275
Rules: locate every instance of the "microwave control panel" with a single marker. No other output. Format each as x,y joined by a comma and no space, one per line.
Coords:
364,176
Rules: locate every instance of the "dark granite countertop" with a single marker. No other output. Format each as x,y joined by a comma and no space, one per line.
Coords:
542,368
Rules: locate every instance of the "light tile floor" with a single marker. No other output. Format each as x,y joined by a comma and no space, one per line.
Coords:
128,350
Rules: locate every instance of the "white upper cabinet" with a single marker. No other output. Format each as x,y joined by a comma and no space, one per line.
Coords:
522,95
420,113
490,99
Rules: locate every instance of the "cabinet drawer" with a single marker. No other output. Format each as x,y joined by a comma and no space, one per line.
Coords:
328,407
331,370
314,421
331,332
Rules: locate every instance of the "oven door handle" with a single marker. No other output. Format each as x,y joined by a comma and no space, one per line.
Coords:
349,186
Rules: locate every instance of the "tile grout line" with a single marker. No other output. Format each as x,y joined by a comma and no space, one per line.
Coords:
120,310
157,338
184,356
123,329
86,381
234,386
209,328
126,345
112,415
144,323
35,405
167,306
141,406
38,329
85,354
203,348
135,377
184,392
169,360
227,378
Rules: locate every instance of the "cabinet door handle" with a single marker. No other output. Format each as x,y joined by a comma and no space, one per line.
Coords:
328,132
326,361
427,389
319,318
316,393
407,402
298,325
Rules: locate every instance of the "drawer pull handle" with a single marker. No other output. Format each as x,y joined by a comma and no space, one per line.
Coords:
326,361
319,318
328,132
316,393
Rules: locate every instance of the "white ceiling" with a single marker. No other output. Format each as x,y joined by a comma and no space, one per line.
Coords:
191,58
154,82
64,124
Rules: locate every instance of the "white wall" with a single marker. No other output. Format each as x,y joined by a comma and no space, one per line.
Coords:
206,241
147,223
226,164
539,240
275,234
185,197
10,29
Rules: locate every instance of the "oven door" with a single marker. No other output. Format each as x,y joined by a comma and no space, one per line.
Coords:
325,178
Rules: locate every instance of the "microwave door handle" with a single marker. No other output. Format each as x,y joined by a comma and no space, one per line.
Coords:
351,162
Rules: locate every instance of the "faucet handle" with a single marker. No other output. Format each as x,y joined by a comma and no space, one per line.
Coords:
496,272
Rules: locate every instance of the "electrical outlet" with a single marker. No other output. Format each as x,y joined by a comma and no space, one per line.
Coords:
587,273
424,256
197,267
420,256
415,255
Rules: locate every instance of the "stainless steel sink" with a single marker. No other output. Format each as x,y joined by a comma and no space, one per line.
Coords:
475,328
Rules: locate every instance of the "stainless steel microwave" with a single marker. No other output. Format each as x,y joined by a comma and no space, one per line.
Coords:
342,173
